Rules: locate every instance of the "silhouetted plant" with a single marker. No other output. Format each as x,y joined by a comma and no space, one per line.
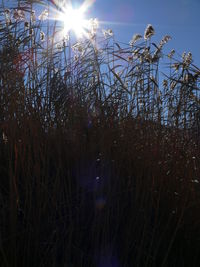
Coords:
99,149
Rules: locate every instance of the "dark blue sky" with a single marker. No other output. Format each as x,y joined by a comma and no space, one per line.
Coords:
178,18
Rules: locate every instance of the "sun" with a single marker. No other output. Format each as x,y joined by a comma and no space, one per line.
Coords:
74,20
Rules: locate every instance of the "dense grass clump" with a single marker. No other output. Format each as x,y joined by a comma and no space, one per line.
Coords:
99,150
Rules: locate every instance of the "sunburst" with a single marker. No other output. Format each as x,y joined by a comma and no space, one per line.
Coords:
74,19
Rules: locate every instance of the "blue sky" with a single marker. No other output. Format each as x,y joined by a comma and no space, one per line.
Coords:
178,18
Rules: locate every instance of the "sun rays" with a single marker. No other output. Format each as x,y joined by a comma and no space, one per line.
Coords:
73,18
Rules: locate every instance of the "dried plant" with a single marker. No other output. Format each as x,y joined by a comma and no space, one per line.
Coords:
99,148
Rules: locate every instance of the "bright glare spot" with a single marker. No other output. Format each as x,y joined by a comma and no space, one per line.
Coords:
74,20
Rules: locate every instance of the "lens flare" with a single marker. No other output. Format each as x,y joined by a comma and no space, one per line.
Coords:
74,19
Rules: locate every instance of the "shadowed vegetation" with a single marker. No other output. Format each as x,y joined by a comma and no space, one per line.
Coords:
99,149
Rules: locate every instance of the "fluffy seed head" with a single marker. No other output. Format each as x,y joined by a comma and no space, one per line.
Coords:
18,15
171,53
149,32
135,38
107,33
164,40
43,15
94,25
188,59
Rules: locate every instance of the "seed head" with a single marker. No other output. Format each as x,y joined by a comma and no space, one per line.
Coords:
59,46
147,56
7,11
107,33
188,59
176,66
26,25
183,56
18,15
171,54
164,40
172,85
7,17
149,32
135,38
43,15
94,25
77,47
165,83
31,31
42,36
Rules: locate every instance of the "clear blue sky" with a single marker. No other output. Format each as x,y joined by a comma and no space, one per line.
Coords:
178,18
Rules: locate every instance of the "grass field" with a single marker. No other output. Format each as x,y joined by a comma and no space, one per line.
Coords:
99,149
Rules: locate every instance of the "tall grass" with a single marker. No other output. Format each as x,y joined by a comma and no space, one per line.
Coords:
99,149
